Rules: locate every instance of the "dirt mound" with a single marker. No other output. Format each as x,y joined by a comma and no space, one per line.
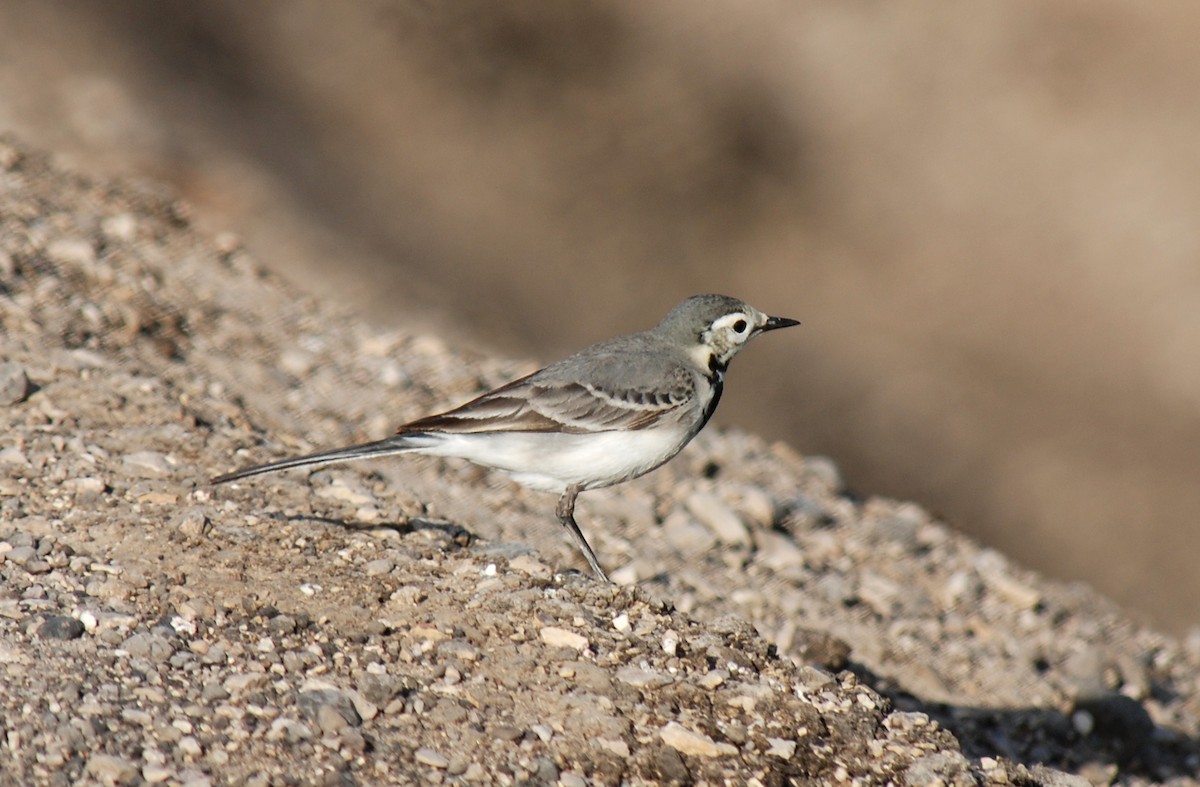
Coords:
417,621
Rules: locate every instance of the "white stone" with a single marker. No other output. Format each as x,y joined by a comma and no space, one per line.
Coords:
723,521
685,741
557,637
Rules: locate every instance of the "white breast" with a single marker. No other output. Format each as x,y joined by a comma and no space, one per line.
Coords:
552,461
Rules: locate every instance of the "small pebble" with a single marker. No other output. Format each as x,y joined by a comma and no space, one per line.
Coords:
378,568
944,767
37,567
778,551
433,759
331,709
557,637
723,521
282,624
109,769
214,692
190,746
330,720
506,732
71,251
687,535
247,681
614,746
61,627
366,709
22,539
296,362
122,227
181,625
346,492
13,455
781,748
528,564
140,493
352,741
136,716
1016,592
697,744
642,677
755,507
84,485
380,688
148,464
20,555
148,646
290,730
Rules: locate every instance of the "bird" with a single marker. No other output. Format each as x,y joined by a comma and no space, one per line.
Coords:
607,414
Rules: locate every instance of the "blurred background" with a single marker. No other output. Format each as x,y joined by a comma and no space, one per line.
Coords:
986,216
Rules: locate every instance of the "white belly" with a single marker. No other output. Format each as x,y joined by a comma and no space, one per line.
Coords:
551,461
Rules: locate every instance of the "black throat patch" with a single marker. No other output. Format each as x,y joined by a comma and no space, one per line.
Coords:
716,376
716,369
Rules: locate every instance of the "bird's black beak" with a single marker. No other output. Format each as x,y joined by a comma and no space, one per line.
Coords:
779,322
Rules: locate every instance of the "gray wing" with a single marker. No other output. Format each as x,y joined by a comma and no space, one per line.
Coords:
595,391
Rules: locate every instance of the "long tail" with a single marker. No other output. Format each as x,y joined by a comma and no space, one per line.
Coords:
397,444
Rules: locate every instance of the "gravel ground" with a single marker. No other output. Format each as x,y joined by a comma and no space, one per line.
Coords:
419,621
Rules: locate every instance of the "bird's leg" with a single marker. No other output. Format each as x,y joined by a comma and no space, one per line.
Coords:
566,515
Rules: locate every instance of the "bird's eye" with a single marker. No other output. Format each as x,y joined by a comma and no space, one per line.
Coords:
740,326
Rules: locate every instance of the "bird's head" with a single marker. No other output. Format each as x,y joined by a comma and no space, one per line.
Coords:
714,327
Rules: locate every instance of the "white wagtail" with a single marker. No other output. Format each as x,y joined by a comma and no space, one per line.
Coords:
606,414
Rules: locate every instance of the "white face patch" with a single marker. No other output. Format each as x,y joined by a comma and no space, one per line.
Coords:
727,335
737,326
